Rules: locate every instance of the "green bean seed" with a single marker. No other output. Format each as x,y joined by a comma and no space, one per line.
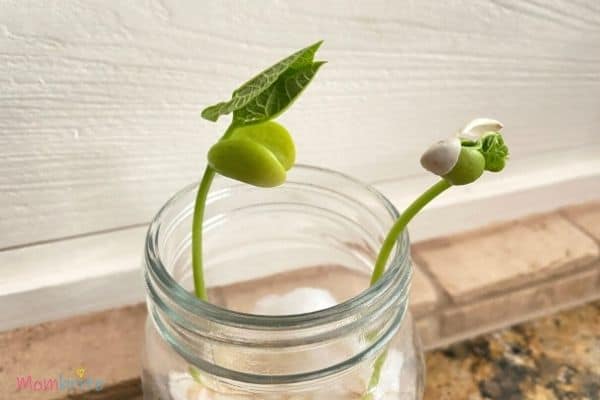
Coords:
257,154
468,168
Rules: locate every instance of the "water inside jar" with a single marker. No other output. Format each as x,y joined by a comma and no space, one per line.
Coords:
294,292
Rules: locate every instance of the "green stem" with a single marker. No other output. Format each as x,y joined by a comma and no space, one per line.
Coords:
384,254
203,189
400,225
375,376
199,286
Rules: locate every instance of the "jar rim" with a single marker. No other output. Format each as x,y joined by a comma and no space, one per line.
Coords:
190,303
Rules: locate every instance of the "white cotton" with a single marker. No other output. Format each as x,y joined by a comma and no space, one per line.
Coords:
298,301
442,156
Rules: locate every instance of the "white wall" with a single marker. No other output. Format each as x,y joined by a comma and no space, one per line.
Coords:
100,105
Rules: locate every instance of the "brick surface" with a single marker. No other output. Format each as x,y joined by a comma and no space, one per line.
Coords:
423,295
587,217
107,344
519,305
429,330
484,262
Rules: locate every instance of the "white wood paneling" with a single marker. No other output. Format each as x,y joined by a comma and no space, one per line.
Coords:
60,279
100,100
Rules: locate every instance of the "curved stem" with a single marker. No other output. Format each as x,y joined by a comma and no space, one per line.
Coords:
400,225
197,223
375,376
384,254
197,268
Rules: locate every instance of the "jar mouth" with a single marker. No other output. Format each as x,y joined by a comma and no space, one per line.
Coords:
398,269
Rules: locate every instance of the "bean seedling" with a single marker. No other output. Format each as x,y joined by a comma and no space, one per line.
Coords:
459,160
254,149
259,151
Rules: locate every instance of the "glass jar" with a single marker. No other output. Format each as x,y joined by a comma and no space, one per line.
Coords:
303,251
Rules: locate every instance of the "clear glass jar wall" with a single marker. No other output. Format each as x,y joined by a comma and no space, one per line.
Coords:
292,250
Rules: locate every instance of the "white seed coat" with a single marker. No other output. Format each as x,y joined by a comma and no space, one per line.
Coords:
477,127
442,156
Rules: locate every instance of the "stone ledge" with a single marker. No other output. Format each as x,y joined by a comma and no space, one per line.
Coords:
558,267
551,358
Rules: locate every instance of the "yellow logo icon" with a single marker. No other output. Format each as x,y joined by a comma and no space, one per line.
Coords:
80,372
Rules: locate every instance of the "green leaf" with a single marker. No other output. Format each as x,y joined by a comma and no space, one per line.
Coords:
494,150
278,97
293,69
